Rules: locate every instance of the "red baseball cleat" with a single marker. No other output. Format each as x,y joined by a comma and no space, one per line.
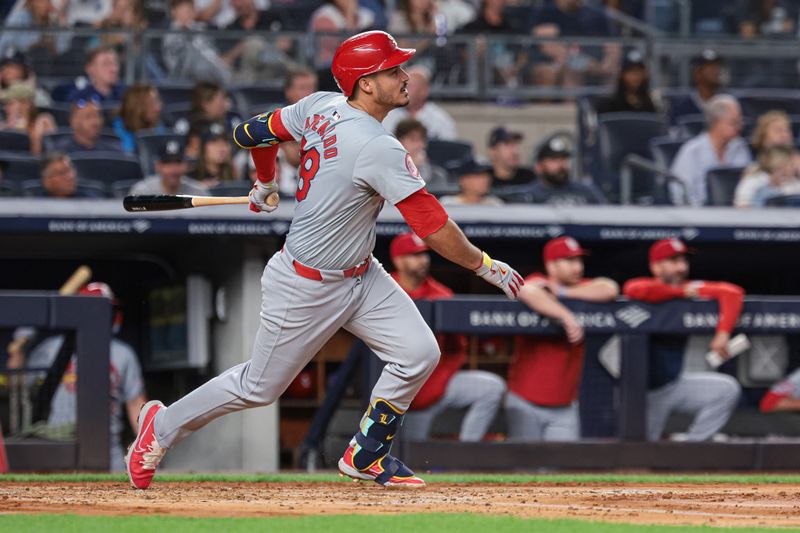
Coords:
387,471
145,453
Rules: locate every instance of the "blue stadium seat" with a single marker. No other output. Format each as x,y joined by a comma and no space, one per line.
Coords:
35,188
621,134
721,184
106,167
51,140
175,93
148,144
257,99
15,141
664,150
18,167
449,155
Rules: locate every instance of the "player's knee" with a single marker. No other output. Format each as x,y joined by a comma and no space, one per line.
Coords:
729,390
423,354
494,386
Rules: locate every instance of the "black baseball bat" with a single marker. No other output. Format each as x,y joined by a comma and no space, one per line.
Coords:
168,202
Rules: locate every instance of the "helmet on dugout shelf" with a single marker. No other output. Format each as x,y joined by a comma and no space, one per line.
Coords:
366,53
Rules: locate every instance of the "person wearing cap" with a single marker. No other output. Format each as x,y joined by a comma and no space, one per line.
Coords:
545,371
710,397
504,153
14,68
21,114
553,185
127,394
720,145
475,183
86,122
170,176
480,392
707,81
437,121
215,163
633,88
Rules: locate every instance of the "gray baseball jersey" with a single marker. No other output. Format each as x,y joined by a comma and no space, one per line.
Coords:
350,165
126,384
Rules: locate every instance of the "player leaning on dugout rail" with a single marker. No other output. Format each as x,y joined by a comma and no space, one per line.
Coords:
325,278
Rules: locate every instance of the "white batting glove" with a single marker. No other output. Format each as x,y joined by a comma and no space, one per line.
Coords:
500,275
258,196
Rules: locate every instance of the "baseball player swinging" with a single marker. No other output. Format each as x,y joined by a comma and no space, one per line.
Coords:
325,277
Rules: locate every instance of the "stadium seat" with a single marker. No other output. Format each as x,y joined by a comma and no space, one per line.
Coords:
721,184
51,140
257,99
171,113
8,188
106,167
60,113
148,144
18,167
120,188
231,188
664,150
15,141
35,188
789,200
691,125
175,94
449,154
621,134
756,103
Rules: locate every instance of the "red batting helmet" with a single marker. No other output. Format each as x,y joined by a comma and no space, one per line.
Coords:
366,53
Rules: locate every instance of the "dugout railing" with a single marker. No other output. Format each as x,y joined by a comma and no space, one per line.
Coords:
86,325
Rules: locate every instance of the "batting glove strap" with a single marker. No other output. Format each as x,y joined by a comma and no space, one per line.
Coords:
500,275
258,196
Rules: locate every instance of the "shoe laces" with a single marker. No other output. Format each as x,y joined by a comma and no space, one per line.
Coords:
152,456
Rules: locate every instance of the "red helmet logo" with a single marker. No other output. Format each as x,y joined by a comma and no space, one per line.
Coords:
366,53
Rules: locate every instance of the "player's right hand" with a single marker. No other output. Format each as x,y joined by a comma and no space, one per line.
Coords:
500,275
573,329
258,196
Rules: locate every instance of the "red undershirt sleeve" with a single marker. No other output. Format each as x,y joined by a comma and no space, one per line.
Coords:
423,213
265,159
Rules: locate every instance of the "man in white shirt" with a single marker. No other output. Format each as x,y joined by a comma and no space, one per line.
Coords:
437,121
720,145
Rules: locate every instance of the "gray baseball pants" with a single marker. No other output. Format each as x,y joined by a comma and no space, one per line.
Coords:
709,396
528,421
298,316
479,391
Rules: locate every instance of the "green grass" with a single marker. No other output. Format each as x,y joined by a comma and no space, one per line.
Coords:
746,479
418,523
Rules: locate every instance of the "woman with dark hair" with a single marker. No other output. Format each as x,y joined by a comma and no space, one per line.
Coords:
215,159
413,17
633,88
140,110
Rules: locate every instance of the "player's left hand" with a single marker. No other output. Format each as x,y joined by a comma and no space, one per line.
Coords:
500,275
258,196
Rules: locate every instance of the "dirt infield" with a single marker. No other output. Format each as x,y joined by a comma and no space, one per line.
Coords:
712,504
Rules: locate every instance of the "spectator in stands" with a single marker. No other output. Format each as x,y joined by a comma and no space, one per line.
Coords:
475,183
140,111
337,16
21,114
707,81
38,15
102,77
170,176
545,371
127,392
780,168
215,164
191,56
86,13
125,15
490,19
210,103
255,58
59,179
772,129
768,18
553,185
480,392
219,13
14,68
720,145
633,88
413,135
298,83
572,65
86,123
783,395
710,396
504,152
437,121
416,17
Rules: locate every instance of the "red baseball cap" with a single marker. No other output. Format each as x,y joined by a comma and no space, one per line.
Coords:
562,248
667,248
405,244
